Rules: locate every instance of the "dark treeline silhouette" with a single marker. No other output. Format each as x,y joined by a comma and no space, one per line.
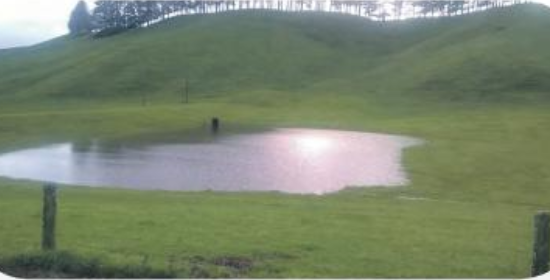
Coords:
80,21
111,17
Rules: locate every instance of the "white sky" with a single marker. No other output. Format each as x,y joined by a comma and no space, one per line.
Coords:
26,22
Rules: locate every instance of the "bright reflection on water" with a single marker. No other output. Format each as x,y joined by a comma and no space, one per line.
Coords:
288,160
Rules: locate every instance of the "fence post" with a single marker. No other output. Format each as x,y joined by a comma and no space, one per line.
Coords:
541,244
185,91
48,217
215,125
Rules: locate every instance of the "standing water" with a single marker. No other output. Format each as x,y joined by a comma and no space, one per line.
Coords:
287,160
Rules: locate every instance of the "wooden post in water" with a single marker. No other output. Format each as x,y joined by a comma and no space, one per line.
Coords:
48,217
215,124
541,244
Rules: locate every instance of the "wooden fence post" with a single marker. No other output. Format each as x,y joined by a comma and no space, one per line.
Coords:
541,244
215,124
185,91
48,217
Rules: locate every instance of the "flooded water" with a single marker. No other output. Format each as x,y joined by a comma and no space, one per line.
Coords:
287,160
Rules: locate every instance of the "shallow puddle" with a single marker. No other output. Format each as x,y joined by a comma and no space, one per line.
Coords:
287,160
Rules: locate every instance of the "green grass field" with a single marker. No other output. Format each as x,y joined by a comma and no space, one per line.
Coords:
474,87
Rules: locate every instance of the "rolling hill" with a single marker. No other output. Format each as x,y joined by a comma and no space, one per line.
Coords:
494,55
475,88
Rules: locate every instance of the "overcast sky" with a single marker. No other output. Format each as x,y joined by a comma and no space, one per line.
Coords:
26,22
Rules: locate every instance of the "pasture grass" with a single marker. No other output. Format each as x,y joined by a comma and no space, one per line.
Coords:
59,264
475,186
472,87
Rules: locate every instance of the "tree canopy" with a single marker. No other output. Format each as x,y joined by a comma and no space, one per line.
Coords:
80,21
113,16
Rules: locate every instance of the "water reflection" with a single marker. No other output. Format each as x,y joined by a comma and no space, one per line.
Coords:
313,145
288,160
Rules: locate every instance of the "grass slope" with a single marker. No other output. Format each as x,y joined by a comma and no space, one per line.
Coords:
474,186
470,56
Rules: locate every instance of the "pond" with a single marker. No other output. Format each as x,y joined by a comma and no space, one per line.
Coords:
286,160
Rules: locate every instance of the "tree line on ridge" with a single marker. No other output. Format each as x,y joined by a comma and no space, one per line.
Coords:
109,17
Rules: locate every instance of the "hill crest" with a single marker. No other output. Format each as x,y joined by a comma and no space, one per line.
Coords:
486,55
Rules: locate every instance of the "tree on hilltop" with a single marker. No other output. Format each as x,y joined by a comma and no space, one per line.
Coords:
80,21
111,17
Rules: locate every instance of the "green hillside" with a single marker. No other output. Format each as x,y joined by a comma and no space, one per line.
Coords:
485,55
475,88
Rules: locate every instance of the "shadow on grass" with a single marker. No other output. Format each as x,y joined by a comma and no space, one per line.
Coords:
68,265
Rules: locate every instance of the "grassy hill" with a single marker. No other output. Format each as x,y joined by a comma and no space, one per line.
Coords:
489,55
474,87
